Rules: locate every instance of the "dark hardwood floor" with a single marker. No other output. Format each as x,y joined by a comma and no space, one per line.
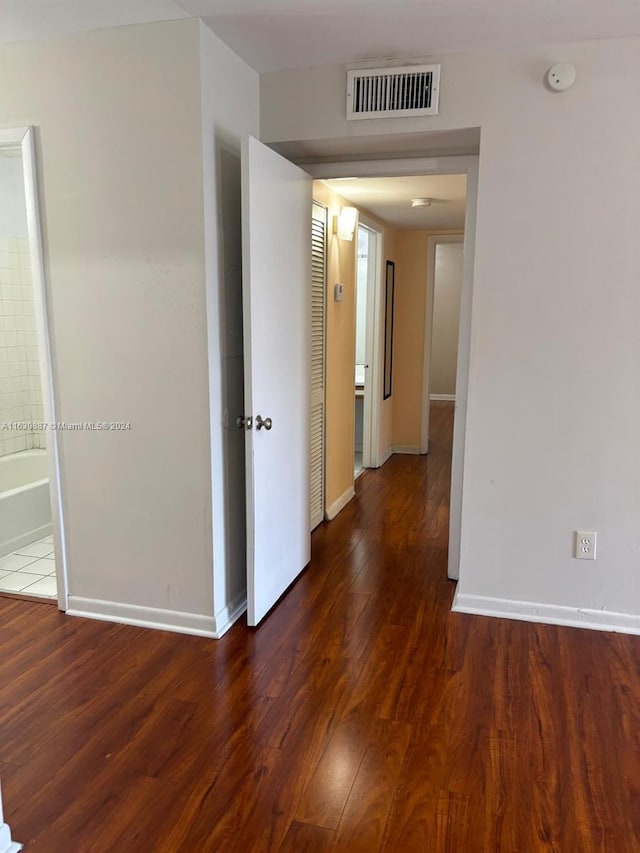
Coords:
361,716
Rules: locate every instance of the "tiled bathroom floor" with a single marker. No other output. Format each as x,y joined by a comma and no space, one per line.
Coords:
31,570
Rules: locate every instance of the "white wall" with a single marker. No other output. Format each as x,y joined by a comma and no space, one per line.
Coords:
553,403
362,283
447,285
118,124
230,109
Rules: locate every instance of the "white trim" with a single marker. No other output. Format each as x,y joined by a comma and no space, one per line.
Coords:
409,449
6,844
147,617
372,396
230,614
548,614
25,539
444,398
385,456
462,374
25,137
446,165
337,506
432,243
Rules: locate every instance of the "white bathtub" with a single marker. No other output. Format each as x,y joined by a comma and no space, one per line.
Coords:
25,507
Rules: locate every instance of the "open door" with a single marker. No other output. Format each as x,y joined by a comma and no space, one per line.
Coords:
276,224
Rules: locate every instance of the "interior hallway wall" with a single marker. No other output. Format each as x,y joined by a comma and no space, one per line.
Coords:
340,351
447,287
119,147
408,339
230,111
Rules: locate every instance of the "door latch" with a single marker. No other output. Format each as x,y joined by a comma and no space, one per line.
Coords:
244,423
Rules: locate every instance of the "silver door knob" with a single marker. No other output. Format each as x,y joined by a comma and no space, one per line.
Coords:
267,423
244,423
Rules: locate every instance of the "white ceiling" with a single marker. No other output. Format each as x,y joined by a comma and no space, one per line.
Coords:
281,34
390,199
33,19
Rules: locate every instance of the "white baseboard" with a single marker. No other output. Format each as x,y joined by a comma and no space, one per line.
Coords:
549,614
406,448
230,614
21,542
446,397
340,504
384,457
144,617
6,844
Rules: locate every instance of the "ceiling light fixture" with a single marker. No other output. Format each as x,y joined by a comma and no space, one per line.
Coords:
421,202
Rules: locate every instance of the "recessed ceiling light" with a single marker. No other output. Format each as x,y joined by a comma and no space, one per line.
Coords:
421,202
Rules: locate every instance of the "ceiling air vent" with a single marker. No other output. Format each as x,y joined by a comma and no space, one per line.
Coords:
410,90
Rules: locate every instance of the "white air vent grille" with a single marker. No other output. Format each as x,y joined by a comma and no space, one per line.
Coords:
411,90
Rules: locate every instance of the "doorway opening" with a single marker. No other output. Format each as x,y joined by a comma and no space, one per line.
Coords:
31,534
365,410
384,192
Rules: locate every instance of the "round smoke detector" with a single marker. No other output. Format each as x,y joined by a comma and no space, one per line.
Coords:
561,76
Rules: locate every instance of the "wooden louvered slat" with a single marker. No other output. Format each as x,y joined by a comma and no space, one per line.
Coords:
318,289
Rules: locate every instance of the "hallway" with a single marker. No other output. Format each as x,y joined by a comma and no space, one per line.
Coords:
361,715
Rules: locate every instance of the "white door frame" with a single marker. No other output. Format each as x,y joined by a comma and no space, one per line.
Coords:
372,396
24,137
432,242
451,165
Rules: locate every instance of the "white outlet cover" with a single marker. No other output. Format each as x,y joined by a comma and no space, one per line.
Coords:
585,545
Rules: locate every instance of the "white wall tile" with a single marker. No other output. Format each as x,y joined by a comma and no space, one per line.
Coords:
20,394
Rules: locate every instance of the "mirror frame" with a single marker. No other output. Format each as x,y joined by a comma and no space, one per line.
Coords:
389,291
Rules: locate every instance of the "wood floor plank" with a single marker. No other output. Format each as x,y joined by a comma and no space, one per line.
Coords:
306,838
361,714
363,822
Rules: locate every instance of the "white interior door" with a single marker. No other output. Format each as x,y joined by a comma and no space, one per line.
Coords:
276,224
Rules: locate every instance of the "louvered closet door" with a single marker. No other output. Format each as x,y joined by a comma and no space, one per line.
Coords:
318,289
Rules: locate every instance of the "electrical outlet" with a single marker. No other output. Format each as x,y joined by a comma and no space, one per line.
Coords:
585,547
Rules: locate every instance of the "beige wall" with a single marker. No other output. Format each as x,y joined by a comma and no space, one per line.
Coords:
117,117
340,351
408,339
447,287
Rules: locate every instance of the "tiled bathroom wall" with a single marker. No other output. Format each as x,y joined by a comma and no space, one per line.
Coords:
20,392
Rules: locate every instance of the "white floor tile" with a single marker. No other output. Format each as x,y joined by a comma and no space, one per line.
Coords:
3,575
40,567
15,562
17,582
36,549
45,586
